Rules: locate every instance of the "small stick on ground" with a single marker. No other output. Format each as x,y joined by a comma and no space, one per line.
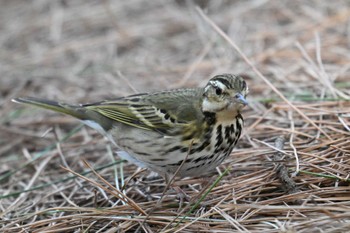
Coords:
288,183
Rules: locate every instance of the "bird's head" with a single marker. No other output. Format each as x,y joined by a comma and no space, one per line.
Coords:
225,94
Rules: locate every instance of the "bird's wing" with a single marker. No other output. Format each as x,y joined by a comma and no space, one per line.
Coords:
159,111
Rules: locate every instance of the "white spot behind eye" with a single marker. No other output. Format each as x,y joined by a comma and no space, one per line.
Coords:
218,84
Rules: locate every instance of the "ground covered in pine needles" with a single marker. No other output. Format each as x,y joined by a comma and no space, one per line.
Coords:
290,170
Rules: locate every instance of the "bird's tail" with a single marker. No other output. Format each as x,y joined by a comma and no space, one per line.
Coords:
75,111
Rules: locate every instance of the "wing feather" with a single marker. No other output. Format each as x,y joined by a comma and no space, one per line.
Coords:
157,111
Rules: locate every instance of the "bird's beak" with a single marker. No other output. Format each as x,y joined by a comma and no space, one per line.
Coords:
240,99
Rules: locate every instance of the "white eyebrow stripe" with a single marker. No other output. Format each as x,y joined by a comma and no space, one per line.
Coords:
218,84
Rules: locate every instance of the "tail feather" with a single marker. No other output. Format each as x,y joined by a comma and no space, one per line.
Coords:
89,117
51,105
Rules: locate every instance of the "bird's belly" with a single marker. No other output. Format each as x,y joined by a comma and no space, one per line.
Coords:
147,154
165,154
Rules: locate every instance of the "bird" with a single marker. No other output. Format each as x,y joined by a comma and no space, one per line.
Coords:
183,132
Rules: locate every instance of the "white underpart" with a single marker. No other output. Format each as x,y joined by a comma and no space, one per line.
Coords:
95,125
122,154
98,127
125,155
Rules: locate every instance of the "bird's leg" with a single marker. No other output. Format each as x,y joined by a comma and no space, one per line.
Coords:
180,193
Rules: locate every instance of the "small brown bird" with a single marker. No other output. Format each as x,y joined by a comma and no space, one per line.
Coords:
159,130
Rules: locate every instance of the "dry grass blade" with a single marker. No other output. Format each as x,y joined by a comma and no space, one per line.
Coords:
295,58
112,190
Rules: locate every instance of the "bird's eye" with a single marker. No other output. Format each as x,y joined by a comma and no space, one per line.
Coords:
218,91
